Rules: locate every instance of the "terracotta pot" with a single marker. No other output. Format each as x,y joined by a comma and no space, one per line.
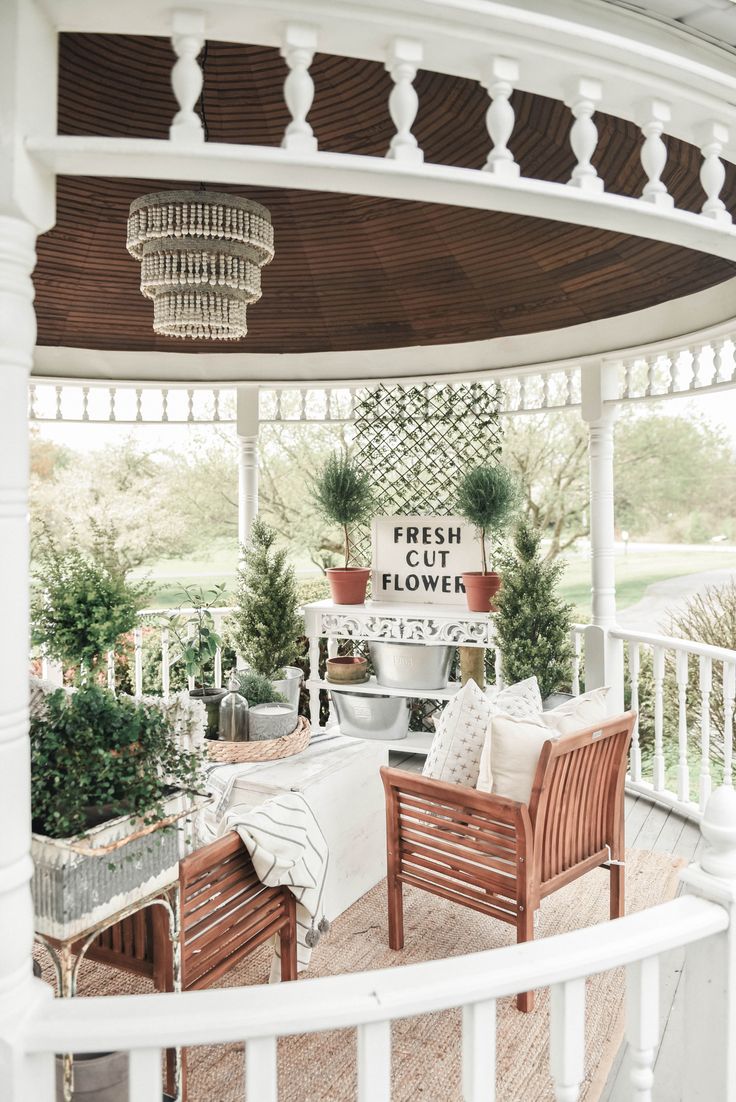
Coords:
480,590
348,584
347,669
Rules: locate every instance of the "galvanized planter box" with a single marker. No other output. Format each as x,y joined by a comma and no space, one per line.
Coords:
80,881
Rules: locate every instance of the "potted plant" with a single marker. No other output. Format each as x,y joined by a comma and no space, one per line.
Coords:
343,494
270,714
107,779
486,497
196,635
82,600
266,625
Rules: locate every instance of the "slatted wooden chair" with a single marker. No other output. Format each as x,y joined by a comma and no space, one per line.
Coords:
501,857
226,913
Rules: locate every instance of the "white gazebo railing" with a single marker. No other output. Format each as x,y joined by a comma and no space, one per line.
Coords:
701,922
685,694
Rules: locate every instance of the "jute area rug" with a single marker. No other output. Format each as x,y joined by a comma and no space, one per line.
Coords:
426,1049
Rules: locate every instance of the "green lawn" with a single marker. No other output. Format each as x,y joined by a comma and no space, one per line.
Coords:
634,572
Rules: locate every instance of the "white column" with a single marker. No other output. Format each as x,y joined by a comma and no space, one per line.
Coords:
603,656
709,1052
247,427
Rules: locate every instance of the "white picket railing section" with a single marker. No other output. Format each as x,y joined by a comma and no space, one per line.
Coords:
369,1002
685,694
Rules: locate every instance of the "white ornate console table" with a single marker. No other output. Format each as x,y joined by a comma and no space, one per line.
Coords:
431,625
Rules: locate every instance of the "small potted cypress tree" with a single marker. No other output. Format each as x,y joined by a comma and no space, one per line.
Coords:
344,496
265,626
533,622
486,498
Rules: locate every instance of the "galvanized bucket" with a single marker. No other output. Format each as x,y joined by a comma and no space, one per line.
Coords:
363,715
411,665
80,881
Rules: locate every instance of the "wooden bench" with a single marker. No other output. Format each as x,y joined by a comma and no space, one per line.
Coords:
501,857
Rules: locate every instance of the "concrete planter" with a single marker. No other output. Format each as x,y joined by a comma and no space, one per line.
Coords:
98,1077
269,721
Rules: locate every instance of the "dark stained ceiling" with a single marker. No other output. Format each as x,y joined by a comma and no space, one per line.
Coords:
353,272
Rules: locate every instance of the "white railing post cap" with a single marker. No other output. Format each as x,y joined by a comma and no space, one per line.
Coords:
504,69
299,36
719,830
406,50
187,22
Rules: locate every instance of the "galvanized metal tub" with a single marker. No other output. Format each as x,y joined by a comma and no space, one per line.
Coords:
411,665
80,881
364,715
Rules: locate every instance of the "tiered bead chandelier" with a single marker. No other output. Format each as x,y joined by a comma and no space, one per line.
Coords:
201,255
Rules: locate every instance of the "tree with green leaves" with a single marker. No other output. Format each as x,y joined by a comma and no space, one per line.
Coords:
266,625
486,497
533,622
344,495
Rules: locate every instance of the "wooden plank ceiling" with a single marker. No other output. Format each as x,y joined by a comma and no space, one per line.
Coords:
353,272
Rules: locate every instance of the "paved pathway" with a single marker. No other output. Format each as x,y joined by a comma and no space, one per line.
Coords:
663,599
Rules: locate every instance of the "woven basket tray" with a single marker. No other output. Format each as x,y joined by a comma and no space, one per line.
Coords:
264,750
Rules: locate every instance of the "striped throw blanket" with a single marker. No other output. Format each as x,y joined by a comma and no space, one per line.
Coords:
287,847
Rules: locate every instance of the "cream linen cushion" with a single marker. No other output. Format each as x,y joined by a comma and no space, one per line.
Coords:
512,746
522,700
456,747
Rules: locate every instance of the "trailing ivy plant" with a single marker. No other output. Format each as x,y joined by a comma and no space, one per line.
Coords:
487,497
95,755
266,626
82,600
344,495
533,622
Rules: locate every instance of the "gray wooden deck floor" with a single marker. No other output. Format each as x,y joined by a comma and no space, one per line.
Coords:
654,828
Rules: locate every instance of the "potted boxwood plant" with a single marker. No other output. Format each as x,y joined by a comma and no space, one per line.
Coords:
344,496
196,635
107,778
82,600
266,625
486,497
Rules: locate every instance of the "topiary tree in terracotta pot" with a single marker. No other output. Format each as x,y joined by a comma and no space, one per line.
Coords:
487,497
344,495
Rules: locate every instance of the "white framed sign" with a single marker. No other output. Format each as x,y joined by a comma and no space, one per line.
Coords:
421,559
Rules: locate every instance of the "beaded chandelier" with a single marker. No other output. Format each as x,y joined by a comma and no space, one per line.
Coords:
201,255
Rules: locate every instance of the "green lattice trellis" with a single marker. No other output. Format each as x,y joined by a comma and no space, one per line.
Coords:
414,441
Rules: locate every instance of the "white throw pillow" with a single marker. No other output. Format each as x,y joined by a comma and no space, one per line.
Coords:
578,713
456,747
513,744
522,700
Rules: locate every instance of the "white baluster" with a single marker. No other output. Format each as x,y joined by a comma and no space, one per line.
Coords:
303,406
261,1070
111,393
695,366
642,1025
522,392
729,691
300,42
654,153
479,1052
586,93
32,402
138,662
187,38
576,642
705,684
190,405
190,636
712,171
545,391
59,414
85,403
138,404
720,371
670,366
502,75
634,682
165,674
278,414
328,405
164,405
218,668
498,667
651,363
569,384
216,399
567,1038
144,1075
111,670
658,666
683,767
374,1062
628,367
404,59
313,675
